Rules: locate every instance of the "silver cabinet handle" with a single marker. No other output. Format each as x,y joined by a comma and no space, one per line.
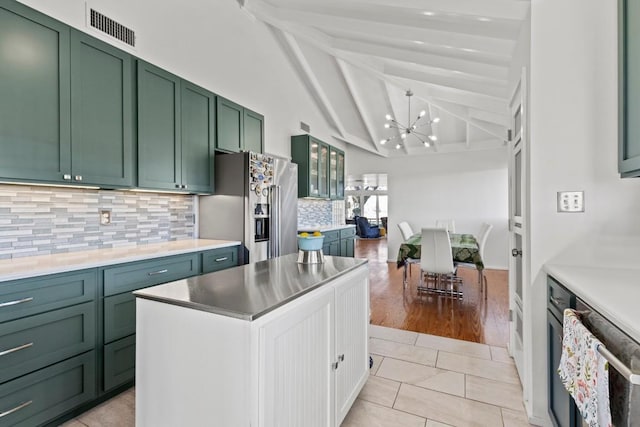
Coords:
16,302
17,408
341,358
14,349
153,273
78,177
66,177
222,259
335,365
557,301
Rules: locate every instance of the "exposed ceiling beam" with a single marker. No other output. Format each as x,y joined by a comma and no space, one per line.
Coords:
451,82
433,61
358,142
499,9
486,116
296,55
360,104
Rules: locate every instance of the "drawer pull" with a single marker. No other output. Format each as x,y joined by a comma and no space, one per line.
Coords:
14,349
154,273
224,258
16,302
17,408
557,301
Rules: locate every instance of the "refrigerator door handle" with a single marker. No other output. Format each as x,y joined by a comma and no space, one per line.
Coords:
274,222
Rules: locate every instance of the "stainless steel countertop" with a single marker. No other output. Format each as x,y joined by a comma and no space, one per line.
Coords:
250,291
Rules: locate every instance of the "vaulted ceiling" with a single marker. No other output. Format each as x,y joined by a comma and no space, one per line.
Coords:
358,58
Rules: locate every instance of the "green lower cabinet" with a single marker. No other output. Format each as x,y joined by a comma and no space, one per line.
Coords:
33,342
347,247
119,362
43,395
219,259
119,316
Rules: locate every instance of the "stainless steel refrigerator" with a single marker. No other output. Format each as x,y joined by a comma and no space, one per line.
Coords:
255,202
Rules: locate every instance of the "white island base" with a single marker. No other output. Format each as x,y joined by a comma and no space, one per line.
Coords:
301,364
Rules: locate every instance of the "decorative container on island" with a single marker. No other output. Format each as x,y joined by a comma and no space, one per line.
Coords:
310,248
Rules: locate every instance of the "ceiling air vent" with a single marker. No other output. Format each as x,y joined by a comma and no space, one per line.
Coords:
111,27
305,127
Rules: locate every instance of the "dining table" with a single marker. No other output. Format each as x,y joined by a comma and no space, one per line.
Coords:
464,249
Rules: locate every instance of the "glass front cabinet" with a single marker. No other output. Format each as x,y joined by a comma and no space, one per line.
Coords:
320,168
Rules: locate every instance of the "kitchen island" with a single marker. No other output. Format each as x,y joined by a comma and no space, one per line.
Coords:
274,343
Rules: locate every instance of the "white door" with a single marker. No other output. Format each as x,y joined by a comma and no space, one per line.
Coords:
517,219
352,338
296,380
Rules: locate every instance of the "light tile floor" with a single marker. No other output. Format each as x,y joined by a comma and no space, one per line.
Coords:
416,380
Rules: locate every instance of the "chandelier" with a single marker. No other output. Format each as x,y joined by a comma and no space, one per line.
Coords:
411,128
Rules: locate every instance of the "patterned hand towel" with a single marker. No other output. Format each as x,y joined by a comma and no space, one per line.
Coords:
584,371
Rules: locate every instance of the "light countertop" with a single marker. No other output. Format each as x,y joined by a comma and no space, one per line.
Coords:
603,271
614,293
325,228
250,291
19,268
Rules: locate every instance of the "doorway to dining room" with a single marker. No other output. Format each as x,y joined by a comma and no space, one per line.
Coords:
473,318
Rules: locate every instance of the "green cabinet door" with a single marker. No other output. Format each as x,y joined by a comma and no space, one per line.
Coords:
253,131
101,113
305,152
34,95
230,128
198,138
323,171
158,128
333,173
629,88
340,172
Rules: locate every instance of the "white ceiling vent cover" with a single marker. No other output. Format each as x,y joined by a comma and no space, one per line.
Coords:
108,26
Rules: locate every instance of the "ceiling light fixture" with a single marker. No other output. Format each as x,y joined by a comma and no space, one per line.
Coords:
411,128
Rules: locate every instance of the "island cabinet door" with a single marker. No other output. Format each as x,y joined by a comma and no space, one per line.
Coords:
297,375
351,336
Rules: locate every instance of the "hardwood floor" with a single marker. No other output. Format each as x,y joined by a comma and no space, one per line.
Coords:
469,319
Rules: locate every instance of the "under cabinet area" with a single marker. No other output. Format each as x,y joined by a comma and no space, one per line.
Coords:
302,362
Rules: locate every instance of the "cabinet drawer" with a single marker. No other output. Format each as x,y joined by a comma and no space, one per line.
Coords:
20,298
33,342
48,393
330,236
558,298
136,275
347,232
219,259
119,316
119,362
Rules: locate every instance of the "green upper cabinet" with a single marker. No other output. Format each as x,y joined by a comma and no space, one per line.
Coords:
176,123
198,135
238,128
101,113
158,128
253,131
35,104
320,168
629,88
229,120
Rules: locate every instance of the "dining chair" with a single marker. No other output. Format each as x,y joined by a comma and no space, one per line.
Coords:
436,263
406,230
448,224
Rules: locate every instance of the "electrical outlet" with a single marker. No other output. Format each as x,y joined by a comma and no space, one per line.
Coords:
105,217
571,201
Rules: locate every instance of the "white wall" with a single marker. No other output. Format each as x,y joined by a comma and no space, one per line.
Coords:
573,146
470,187
215,45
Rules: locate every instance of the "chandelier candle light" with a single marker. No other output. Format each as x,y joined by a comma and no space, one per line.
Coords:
411,128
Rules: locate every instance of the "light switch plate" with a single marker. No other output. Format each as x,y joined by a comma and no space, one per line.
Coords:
105,217
571,201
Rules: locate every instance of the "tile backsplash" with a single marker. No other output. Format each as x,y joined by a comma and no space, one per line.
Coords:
37,220
318,213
